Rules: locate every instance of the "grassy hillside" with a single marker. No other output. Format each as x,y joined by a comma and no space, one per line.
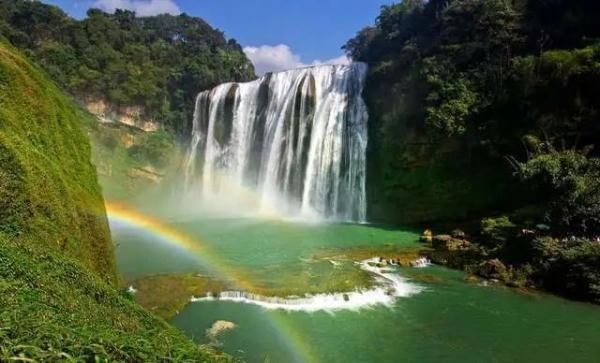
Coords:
58,294
48,186
52,309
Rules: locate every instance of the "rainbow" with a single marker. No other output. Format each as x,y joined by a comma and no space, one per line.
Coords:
166,234
171,236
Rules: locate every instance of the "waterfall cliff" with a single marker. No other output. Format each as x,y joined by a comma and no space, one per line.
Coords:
297,139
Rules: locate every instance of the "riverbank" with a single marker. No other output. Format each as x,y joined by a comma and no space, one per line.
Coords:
520,255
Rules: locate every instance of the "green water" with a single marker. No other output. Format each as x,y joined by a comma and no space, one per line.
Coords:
451,321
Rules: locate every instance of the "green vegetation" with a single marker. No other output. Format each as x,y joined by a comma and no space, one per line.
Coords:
155,147
167,295
491,108
572,182
54,310
456,87
129,160
59,299
159,63
48,187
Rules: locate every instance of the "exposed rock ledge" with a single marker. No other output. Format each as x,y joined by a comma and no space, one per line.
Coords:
147,173
130,115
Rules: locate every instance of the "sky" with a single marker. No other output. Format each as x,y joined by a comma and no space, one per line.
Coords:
275,34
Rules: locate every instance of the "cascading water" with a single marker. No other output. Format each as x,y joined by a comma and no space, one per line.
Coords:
297,139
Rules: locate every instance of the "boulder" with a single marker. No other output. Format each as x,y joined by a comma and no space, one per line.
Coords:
543,227
445,242
457,233
383,263
427,236
493,269
219,327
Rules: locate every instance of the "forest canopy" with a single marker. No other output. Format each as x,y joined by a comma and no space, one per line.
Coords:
492,107
159,62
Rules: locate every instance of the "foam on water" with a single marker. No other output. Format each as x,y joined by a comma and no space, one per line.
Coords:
390,286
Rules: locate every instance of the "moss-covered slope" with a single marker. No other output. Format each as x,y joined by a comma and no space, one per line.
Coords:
52,309
48,186
59,299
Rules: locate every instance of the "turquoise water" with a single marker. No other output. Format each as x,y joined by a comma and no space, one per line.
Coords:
450,321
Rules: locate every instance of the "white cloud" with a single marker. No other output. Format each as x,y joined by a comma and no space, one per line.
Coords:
141,7
268,58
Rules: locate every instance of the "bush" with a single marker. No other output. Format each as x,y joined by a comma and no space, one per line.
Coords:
570,182
497,231
155,148
569,267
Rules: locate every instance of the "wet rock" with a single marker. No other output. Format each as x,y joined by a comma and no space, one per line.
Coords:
427,236
459,234
382,264
542,227
493,269
219,327
445,242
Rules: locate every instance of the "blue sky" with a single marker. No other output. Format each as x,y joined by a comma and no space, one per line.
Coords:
276,34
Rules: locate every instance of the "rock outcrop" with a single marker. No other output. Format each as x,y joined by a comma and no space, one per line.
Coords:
131,115
445,242
219,327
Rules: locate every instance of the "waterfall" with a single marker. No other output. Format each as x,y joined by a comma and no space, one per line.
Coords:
296,139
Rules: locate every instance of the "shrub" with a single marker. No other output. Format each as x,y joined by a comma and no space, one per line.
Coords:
154,148
569,266
570,181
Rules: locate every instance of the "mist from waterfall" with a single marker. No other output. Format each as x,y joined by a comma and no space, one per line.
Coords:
292,143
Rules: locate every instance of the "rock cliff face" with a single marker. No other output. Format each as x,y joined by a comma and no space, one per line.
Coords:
129,160
130,116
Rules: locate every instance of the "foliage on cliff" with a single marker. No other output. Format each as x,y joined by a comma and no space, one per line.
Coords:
133,165
54,310
490,108
58,294
457,87
48,186
158,62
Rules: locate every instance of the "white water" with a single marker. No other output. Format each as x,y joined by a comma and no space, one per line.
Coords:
422,262
291,143
390,286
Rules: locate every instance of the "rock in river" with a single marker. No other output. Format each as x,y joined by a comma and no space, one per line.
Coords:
219,327
446,242
427,236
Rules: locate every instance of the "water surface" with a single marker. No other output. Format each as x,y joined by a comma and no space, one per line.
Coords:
449,321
